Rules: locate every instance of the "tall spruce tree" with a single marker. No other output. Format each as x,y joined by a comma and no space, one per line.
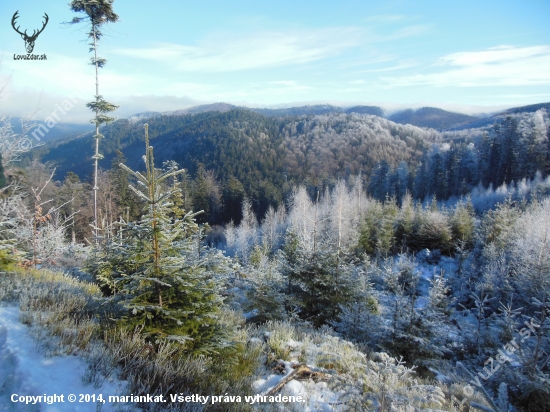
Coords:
168,286
97,13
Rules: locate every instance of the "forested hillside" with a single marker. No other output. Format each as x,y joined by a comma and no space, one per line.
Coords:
431,117
238,154
319,149
514,149
264,155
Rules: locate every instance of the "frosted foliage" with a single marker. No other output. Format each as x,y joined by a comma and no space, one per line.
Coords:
334,220
538,126
391,386
246,235
485,199
530,249
12,210
230,237
49,238
358,321
343,222
359,202
330,144
12,145
396,385
273,227
438,293
495,272
300,223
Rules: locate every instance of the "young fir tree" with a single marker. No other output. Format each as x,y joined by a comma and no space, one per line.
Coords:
359,319
265,297
319,284
97,13
166,283
177,210
462,222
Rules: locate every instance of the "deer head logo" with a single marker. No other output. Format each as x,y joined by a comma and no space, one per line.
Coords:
29,40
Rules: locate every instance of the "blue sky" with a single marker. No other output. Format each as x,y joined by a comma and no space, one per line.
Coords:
469,56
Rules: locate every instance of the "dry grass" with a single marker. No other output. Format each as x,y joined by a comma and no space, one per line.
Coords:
66,315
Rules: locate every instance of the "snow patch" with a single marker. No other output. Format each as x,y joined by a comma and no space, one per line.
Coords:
25,370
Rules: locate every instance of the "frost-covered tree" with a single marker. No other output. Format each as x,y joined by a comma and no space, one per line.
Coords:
43,232
168,287
12,213
273,227
410,327
359,319
319,279
378,228
433,230
230,238
14,144
246,233
322,284
345,234
462,225
404,227
304,226
497,224
265,297
530,252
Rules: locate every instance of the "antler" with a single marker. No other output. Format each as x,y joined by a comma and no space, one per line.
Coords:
15,16
35,35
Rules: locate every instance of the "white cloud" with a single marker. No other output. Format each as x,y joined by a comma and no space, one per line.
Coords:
258,50
494,55
62,73
499,66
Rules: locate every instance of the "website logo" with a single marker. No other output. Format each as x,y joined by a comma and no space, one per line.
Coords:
29,40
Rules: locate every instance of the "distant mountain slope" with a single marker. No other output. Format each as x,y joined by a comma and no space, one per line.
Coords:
431,117
529,109
75,154
214,107
143,115
266,154
319,149
300,111
500,116
373,110
46,134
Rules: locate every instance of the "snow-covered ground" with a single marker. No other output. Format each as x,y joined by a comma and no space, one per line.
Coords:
26,371
317,397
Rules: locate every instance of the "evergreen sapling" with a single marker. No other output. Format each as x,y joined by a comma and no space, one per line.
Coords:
168,286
